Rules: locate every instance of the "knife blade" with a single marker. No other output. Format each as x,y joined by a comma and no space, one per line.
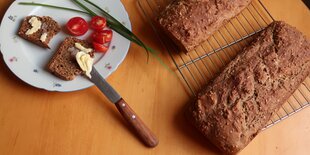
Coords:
104,86
144,133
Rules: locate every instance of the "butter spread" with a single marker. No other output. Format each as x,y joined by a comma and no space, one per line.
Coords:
85,62
36,25
82,48
43,37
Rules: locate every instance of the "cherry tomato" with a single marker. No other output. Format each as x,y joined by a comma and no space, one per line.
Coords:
108,34
100,47
103,37
99,37
77,26
98,23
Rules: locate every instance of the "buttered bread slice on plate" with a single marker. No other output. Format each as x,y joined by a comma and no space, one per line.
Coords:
74,57
39,30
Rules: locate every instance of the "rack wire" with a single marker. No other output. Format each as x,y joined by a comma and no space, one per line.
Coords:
199,66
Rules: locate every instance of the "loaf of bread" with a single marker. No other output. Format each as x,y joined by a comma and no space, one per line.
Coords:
190,22
238,103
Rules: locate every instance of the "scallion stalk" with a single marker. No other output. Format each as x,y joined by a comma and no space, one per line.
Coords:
52,6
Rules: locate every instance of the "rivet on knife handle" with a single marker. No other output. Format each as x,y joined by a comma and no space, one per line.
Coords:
137,124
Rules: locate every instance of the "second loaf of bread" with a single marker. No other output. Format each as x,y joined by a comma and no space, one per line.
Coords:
191,22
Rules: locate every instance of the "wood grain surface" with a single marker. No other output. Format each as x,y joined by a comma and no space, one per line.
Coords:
38,122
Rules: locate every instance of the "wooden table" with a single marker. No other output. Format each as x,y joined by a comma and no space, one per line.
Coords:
34,121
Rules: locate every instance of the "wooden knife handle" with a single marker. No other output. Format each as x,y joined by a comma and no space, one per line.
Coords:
137,124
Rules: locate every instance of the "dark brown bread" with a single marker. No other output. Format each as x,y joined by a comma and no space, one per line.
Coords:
63,64
49,26
238,103
190,22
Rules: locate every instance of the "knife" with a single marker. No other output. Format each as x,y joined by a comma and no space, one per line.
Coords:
144,133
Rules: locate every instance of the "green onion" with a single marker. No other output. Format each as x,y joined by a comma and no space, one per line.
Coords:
52,6
84,7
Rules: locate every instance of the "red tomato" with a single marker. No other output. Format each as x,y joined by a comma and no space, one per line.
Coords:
108,34
100,47
77,26
103,37
98,23
99,37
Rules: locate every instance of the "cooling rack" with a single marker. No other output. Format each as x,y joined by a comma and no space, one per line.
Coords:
200,65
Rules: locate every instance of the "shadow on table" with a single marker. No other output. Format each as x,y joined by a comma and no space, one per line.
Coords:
191,134
307,2
3,8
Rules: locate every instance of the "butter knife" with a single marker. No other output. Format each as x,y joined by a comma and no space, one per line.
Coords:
144,133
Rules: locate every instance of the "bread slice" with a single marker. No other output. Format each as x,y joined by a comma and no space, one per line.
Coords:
49,26
63,63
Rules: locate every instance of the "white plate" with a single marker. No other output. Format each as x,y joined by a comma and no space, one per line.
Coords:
28,61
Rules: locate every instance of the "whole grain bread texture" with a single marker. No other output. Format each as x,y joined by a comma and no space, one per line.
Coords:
63,63
190,22
49,26
238,103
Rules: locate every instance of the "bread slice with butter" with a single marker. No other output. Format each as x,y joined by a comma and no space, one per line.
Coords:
63,63
39,30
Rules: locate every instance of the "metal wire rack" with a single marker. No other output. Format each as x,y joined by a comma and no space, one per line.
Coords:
200,65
